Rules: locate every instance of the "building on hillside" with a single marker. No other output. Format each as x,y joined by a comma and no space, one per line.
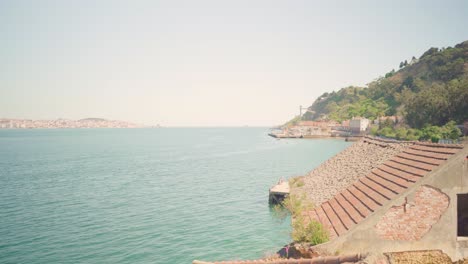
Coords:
345,123
333,124
340,129
4,123
394,119
358,125
304,129
312,123
318,130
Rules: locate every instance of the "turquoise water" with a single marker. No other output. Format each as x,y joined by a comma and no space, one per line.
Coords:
166,195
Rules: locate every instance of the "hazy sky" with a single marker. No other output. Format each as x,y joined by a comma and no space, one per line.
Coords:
205,63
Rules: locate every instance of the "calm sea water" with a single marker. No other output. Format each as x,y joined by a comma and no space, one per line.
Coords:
166,195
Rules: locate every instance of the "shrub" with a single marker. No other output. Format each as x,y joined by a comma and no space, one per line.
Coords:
313,232
296,182
401,133
294,204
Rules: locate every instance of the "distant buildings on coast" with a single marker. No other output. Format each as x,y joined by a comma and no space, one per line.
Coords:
357,126
6,123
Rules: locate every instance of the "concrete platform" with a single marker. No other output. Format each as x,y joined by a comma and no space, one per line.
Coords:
279,192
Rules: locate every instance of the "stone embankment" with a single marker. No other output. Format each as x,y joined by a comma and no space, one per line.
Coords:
342,170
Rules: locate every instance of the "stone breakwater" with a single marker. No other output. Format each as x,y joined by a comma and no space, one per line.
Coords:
342,170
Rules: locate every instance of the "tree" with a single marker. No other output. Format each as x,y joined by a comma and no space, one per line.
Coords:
450,131
433,133
386,123
387,132
430,106
429,52
401,133
431,91
408,82
413,134
390,73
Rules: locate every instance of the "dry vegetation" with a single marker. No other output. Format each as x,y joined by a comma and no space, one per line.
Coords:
419,257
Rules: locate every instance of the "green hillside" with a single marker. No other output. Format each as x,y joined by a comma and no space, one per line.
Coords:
429,91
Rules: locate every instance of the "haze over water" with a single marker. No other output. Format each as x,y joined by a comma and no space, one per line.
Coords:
166,195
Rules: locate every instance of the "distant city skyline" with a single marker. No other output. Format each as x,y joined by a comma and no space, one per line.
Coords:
205,63
66,123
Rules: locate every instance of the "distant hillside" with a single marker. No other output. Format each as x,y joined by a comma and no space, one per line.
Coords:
431,90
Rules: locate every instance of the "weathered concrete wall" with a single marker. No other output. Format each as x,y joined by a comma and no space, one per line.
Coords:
433,223
413,219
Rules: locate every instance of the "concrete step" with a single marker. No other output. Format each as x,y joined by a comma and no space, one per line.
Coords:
405,168
440,150
363,198
414,164
311,216
334,219
425,154
421,159
326,222
345,218
357,204
399,173
388,194
403,182
352,211
438,145
390,185
372,194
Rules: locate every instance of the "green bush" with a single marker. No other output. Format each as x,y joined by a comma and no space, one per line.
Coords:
296,205
432,133
387,132
401,133
313,232
451,131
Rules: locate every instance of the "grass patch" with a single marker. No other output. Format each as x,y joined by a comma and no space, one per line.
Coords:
296,182
304,231
313,232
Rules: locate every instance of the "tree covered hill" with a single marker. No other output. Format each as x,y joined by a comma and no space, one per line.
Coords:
431,90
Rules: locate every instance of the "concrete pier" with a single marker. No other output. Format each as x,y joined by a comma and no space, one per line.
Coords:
279,192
